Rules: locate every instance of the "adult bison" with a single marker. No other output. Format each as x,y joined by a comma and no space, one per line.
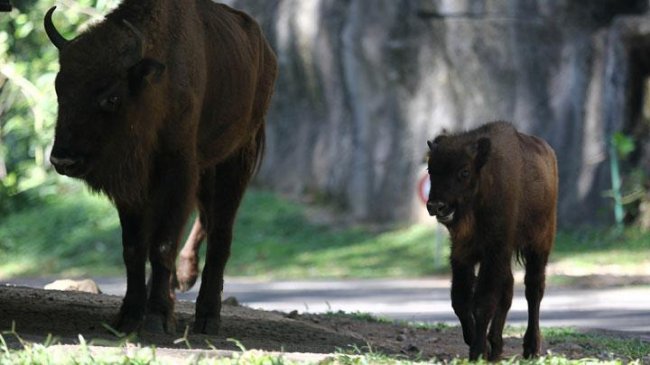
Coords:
495,190
161,107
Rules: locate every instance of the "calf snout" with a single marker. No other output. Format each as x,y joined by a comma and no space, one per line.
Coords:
436,208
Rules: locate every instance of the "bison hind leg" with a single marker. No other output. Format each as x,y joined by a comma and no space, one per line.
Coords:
221,191
209,325
187,270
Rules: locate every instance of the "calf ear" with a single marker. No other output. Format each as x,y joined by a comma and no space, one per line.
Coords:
147,71
432,145
480,151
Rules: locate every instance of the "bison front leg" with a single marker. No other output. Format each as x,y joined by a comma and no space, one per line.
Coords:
462,286
134,253
171,204
221,192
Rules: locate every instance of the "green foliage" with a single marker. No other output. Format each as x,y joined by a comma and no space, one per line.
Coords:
28,65
624,144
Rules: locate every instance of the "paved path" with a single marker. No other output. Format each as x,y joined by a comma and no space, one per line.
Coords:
621,309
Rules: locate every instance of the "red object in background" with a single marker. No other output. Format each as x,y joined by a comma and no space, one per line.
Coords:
424,184
5,5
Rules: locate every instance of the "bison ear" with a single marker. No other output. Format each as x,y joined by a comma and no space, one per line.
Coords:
147,71
480,151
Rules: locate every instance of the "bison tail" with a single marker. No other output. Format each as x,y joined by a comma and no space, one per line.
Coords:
260,144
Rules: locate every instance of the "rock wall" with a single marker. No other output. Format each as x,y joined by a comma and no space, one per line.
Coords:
364,83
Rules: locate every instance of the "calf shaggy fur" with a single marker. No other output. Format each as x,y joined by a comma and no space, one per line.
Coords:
495,190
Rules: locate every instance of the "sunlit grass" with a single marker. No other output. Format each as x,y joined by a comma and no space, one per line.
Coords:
594,348
41,354
77,233
69,234
603,251
597,344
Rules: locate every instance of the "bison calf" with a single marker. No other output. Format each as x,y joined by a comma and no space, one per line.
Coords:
495,190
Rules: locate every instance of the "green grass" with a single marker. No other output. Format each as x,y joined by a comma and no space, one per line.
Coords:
592,343
591,250
75,233
593,348
42,354
614,347
72,233
274,238
618,351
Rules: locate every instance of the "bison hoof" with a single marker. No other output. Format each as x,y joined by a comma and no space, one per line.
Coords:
158,324
125,325
207,325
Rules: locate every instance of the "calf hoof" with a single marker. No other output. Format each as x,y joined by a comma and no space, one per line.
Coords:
158,324
532,344
207,325
530,353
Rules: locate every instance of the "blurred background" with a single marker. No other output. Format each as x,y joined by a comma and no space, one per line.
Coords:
363,84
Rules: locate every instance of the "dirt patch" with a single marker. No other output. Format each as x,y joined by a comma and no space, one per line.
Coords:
38,312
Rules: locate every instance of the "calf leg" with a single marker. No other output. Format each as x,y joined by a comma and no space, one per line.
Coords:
221,194
489,289
495,336
134,242
535,282
188,259
462,286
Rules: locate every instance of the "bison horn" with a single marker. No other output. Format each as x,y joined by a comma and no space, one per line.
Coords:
139,38
432,145
55,37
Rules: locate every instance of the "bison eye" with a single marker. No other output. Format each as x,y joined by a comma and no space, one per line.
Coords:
463,174
110,104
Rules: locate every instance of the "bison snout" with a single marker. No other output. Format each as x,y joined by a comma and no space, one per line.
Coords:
436,208
70,166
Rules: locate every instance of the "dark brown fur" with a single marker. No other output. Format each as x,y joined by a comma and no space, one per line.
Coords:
495,189
163,122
